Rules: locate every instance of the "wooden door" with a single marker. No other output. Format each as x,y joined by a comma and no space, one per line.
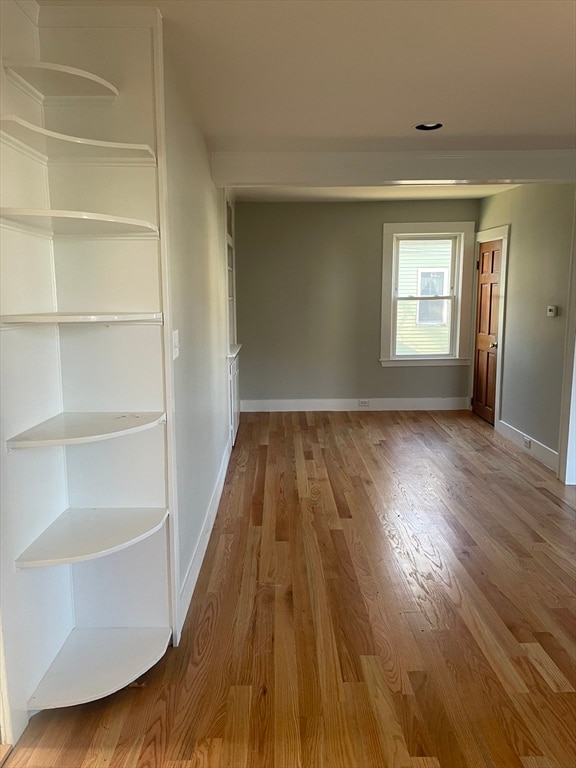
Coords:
486,344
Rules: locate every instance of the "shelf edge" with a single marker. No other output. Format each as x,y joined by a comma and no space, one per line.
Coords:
47,563
15,442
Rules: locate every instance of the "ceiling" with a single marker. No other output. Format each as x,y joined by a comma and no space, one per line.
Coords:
391,192
357,75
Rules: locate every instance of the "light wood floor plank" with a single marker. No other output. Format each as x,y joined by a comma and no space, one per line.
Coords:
380,590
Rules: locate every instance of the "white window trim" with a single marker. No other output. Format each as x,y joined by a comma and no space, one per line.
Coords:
463,284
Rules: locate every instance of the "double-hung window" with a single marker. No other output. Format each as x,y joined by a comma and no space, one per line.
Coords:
427,293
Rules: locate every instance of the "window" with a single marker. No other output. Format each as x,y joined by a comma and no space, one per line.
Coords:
427,293
432,282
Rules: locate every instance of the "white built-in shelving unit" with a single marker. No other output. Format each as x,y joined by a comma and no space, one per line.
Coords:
78,428
82,326
46,81
55,318
77,223
85,534
95,662
60,147
233,345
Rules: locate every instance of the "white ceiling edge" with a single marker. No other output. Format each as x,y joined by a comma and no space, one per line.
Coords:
281,194
381,169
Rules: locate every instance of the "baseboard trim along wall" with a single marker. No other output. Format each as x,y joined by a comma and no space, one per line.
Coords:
541,452
368,404
189,583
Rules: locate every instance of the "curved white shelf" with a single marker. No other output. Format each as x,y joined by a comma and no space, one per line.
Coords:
58,80
78,428
57,318
85,534
62,146
75,222
234,351
95,662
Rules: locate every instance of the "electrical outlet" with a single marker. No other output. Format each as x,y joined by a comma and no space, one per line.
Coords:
527,442
363,403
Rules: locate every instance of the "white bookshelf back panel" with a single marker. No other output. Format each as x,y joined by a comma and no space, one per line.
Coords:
23,180
43,600
126,589
26,264
122,275
124,472
124,57
30,378
38,503
128,192
112,368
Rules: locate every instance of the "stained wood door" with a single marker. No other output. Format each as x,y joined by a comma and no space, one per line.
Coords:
486,345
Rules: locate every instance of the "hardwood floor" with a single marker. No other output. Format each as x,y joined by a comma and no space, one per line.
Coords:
381,590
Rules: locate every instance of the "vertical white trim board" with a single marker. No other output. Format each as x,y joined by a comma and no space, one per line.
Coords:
189,582
539,451
349,404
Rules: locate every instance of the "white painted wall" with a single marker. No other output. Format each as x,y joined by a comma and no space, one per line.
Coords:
198,300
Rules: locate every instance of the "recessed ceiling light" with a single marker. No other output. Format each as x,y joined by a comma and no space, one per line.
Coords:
428,126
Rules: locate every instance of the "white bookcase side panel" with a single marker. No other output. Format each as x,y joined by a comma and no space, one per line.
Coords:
120,274
30,379
133,467
85,534
126,589
23,180
27,268
112,368
123,56
94,663
129,192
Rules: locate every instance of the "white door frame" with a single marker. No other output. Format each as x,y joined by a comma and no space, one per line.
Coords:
567,439
486,236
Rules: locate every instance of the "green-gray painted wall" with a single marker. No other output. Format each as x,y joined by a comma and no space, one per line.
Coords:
309,293
541,218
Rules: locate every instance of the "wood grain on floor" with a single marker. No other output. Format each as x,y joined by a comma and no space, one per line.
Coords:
381,590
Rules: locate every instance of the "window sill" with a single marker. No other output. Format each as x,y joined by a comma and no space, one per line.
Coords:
410,362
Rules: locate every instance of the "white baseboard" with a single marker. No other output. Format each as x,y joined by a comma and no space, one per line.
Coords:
541,452
189,583
374,404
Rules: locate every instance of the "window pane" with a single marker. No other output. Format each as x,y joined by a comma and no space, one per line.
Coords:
419,257
431,283
415,336
432,312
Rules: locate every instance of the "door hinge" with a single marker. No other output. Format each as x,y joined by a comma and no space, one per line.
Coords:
478,264
471,401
